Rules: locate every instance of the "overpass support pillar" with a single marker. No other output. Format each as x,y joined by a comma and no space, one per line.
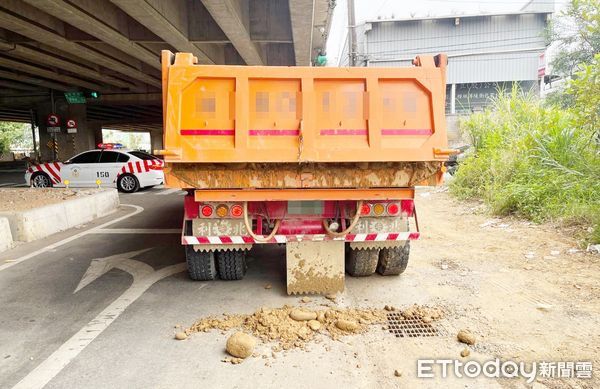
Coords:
156,140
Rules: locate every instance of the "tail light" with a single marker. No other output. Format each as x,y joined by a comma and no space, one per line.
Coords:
237,210
378,209
222,210
393,209
155,167
207,211
365,209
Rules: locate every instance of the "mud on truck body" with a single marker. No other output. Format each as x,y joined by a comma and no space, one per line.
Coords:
321,160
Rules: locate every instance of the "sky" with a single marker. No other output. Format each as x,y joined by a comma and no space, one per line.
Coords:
399,9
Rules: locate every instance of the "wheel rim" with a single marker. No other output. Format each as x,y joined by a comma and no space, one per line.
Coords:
128,183
41,181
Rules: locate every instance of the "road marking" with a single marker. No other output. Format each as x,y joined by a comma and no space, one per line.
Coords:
168,191
144,276
137,231
25,257
8,184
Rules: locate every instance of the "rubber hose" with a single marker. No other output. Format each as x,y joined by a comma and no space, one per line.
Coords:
249,227
350,227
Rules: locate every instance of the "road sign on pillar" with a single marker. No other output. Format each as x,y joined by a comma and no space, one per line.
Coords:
53,123
71,126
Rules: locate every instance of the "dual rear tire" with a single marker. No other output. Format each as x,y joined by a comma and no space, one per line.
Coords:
206,266
387,262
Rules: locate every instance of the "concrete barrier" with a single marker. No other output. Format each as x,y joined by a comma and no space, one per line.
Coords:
6,240
37,223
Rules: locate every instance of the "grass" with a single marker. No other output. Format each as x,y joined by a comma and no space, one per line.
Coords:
533,161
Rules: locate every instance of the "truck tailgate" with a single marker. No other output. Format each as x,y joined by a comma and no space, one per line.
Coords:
253,114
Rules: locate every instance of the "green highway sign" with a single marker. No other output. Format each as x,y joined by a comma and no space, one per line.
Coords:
75,97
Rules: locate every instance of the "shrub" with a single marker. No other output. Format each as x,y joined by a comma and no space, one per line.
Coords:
535,161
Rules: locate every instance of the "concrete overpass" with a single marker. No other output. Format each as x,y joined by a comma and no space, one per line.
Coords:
49,47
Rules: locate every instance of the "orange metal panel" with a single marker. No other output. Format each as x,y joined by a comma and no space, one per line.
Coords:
303,114
304,194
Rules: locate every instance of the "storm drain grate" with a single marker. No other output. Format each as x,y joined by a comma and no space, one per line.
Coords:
410,328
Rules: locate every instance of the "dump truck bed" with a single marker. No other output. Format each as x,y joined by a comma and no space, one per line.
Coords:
252,126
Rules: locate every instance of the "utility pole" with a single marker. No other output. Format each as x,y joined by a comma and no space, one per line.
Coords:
351,33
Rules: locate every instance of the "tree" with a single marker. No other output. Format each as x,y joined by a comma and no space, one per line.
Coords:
15,135
584,90
577,33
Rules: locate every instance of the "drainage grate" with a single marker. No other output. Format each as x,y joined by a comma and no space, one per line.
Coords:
410,328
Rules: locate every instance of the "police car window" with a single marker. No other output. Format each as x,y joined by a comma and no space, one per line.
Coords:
123,157
142,155
89,157
109,157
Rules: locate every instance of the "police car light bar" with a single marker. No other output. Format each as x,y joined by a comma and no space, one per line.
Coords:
105,146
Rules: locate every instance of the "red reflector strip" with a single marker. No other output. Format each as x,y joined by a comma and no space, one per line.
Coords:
206,132
344,131
406,131
273,132
53,174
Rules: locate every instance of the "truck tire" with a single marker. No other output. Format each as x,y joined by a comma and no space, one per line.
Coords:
128,183
393,261
362,263
231,264
201,265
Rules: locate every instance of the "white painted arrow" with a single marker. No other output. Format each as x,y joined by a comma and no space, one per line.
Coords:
100,266
144,276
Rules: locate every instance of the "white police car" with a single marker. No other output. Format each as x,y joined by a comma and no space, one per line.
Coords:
109,166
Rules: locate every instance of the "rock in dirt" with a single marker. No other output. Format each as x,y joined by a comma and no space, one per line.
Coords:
306,300
314,325
268,286
321,316
397,373
300,315
543,307
180,335
240,345
465,352
346,325
331,297
465,336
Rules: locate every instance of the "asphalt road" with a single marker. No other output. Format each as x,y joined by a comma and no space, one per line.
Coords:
91,313
100,312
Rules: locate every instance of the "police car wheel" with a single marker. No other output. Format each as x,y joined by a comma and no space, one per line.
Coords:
128,183
41,180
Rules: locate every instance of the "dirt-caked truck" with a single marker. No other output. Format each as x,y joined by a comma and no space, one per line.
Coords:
321,160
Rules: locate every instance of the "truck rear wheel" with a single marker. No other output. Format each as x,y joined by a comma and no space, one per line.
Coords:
201,265
231,264
393,261
361,263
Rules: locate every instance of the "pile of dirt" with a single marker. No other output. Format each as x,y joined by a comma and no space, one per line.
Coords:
293,327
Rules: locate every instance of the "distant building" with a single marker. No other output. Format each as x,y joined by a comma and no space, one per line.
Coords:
485,52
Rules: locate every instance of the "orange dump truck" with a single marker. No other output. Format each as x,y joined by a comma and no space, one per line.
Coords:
321,160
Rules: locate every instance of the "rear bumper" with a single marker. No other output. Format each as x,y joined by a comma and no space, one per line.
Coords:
246,239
